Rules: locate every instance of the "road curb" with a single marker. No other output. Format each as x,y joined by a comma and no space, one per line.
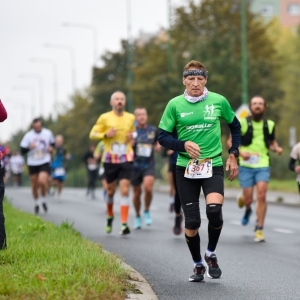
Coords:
143,290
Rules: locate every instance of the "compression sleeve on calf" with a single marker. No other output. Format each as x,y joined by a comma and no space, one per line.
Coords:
235,130
292,164
166,139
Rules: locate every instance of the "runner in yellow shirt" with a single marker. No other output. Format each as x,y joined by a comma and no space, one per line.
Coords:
116,129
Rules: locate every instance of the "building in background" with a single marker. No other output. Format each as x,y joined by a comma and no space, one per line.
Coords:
288,11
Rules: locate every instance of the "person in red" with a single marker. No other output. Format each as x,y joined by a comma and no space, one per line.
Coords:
3,117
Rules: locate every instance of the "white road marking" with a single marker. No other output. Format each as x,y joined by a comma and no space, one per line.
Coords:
235,222
282,230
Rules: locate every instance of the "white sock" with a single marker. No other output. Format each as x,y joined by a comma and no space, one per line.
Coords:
172,199
209,253
37,202
43,200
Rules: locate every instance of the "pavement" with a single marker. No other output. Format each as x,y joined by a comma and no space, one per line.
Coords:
273,197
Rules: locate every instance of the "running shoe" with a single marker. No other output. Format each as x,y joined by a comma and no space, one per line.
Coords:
108,227
36,209
246,217
177,229
199,272
147,218
45,207
124,229
259,236
240,201
213,270
138,222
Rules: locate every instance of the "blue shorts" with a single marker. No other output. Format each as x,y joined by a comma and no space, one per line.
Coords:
248,177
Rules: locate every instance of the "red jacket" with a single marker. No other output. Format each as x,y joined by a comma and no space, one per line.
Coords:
3,113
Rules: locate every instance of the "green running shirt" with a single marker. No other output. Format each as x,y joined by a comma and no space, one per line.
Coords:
198,122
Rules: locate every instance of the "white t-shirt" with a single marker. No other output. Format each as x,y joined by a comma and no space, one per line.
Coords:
40,154
295,153
16,164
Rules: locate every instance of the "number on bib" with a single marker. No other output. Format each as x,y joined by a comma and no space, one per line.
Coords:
197,168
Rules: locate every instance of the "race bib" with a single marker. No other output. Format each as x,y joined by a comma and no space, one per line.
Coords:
92,167
199,168
118,149
253,159
38,154
144,150
59,172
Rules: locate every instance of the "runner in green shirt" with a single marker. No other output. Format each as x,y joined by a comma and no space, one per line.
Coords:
195,116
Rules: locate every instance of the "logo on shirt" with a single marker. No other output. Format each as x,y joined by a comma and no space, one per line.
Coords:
208,113
184,114
199,127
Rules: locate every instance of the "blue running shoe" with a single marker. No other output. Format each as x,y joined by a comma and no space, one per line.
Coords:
246,217
147,218
138,222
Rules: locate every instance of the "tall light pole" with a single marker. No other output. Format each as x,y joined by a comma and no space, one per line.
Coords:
72,59
18,104
41,90
53,64
170,50
31,91
94,31
244,51
129,58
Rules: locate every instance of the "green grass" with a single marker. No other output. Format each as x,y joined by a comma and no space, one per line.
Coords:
44,261
289,186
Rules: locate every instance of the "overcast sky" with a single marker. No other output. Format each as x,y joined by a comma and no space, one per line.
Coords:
26,26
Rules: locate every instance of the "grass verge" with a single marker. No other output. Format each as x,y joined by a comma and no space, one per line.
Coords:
44,261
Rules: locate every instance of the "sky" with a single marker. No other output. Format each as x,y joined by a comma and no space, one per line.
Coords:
42,61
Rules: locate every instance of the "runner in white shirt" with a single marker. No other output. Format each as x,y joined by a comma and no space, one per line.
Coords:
16,163
38,143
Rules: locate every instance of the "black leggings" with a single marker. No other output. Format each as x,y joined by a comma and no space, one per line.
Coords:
189,190
2,219
177,204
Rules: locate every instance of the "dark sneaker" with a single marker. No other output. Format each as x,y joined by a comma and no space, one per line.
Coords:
198,275
108,227
124,230
177,229
36,209
246,217
213,270
45,207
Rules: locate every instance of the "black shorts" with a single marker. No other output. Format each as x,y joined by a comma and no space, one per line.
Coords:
114,172
37,169
137,175
189,189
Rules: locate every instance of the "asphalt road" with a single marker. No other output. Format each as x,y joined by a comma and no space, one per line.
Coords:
269,270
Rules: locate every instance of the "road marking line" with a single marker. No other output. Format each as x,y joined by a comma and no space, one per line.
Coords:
235,222
282,230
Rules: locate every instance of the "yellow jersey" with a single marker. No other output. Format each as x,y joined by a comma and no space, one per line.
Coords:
117,149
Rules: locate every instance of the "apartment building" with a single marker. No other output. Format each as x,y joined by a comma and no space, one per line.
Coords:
287,10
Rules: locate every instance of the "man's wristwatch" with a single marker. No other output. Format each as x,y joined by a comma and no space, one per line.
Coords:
235,152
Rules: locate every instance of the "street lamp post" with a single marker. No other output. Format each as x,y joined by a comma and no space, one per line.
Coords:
31,91
21,105
72,59
94,31
170,50
244,51
41,93
129,58
54,72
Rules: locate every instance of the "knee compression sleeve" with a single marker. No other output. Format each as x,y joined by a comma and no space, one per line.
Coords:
192,215
214,215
